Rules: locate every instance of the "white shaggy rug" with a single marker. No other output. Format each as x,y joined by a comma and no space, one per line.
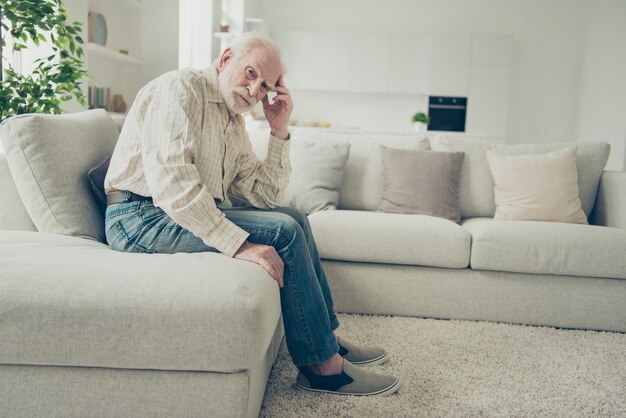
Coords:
470,369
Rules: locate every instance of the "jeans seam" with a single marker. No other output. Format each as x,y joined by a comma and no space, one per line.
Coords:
140,214
301,311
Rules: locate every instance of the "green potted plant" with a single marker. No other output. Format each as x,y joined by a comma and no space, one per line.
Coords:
56,77
420,121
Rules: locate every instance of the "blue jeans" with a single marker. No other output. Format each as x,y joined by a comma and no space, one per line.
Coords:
306,301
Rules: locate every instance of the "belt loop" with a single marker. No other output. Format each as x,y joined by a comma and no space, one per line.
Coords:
127,196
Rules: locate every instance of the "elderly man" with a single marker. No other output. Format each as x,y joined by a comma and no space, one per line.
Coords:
182,149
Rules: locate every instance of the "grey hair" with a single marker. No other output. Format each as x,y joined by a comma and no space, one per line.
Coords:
245,42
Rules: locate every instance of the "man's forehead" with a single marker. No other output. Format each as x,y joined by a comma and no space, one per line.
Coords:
266,63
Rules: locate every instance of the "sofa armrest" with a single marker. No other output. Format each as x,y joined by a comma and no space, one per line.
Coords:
610,208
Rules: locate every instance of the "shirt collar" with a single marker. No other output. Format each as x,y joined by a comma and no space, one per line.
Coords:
214,95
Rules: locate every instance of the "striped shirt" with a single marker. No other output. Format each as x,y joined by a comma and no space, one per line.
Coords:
181,146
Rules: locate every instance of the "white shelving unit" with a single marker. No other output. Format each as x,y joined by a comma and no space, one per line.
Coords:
107,66
239,16
129,4
224,39
112,54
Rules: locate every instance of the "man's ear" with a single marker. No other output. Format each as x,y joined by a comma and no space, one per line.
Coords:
226,56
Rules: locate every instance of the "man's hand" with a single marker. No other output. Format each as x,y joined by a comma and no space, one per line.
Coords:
277,113
265,256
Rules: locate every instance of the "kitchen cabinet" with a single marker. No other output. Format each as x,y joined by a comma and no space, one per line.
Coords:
297,53
451,48
449,80
488,100
431,64
410,61
369,62
490,84
494,49
332,61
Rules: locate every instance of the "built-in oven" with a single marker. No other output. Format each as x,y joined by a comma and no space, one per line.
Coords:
447,113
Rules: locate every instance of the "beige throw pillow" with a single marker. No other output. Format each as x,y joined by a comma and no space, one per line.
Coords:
476,194
421,182
535,187
49,157
317,171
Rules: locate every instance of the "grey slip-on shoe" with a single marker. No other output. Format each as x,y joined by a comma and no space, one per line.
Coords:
352,381
361,356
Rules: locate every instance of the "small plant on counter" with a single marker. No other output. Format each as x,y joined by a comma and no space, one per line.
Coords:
420,117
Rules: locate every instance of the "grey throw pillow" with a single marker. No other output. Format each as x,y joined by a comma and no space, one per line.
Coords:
422,182
49,157
317,171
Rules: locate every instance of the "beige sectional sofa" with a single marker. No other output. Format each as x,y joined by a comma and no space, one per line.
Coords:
499,282
89,332
526,272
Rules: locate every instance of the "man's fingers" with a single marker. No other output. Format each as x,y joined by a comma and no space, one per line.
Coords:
271,269
280,266
281,278
275,264
265,256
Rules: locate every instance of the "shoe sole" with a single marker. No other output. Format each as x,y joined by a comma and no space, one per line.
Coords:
384,392
374,362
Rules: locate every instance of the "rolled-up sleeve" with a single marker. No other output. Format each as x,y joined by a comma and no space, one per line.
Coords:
171,138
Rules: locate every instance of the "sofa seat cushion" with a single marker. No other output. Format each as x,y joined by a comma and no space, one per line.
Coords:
547,248
390,238
70,301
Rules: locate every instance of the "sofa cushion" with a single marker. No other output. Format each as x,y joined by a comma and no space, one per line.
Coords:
423,182
96,175
49,157
537,187
83,304
319,170
13,215
363,182
477,186
390,238
547,248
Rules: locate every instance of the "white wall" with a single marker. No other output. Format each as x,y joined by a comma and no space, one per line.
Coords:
160,38
602,112
198,20
546,58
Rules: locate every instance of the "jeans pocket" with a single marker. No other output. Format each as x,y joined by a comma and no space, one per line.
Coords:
127,234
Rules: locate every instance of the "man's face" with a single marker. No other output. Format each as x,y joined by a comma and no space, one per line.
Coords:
245,80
